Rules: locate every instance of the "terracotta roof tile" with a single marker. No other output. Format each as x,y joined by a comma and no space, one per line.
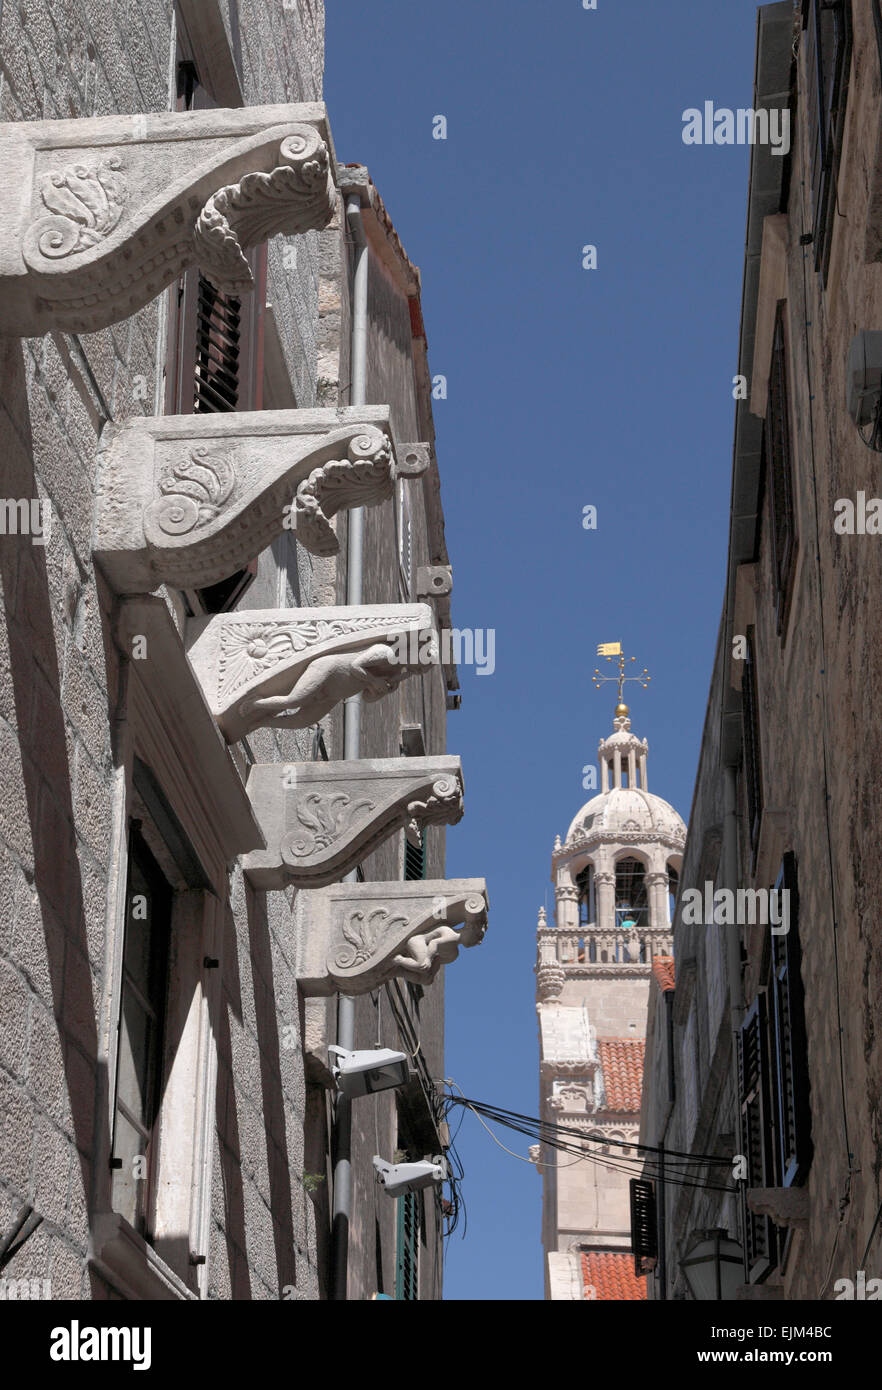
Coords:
621,1060
663,970
612,1277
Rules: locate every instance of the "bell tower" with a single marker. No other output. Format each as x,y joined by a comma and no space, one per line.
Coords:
615,876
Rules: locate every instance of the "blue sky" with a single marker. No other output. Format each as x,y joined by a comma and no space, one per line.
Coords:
567,388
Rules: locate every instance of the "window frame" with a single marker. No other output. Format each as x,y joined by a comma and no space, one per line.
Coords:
779,473
828,75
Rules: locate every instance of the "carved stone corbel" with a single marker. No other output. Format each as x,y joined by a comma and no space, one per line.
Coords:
353,937
320,819
287,668
100,214
786,1206
188,499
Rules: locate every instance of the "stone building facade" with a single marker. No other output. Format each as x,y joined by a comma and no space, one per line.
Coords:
613,875
774,1033
193,863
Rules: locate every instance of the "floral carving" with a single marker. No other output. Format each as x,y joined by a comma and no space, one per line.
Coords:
365,933
252,649
194,494
85,204
294,197
326,817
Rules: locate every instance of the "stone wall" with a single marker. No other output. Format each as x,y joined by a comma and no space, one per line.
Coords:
60,673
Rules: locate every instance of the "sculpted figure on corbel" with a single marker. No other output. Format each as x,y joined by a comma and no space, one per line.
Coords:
354,937
321,819
186,500
287,668
103,213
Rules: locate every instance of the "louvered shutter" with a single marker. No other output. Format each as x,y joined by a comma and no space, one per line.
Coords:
644,1226
791,1061
756,1132
407,1247
750,733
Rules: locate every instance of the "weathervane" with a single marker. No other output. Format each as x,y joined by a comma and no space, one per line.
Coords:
611,650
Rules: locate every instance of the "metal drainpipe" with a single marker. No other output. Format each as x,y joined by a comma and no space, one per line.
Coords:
351,750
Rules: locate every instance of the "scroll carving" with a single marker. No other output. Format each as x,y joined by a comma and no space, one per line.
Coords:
321,819
119,206
354,937
188,499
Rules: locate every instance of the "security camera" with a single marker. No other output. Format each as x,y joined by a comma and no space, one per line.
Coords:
398,1178
864,384
363,1073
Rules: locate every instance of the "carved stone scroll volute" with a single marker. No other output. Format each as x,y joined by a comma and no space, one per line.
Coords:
101,214
288,668
186,500
320,819
354,937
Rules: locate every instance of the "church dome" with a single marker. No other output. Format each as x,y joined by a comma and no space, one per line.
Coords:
627,810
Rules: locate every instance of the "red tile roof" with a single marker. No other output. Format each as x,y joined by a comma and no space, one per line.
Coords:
611,1277
663,970
621,1060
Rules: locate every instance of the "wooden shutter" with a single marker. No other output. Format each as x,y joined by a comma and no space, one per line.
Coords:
750,733
756,1133
415,859
407,1247
791,1060
778,464
644,1226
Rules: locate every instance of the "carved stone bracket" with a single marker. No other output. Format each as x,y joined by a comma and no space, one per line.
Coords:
103,213
354,937
320,819
787,1206
188,499
287,668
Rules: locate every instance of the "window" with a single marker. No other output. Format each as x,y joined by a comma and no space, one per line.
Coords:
789,1041
778,473
140,1052
775,1110
405,541
750,734
828,58
644,1225
631,900
585,885
215,351
673,889
756,1135
407,1247
415,859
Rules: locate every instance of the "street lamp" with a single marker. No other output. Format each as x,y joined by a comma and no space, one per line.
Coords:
713,1266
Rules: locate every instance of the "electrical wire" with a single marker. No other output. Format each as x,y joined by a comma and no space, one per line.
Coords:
555,1137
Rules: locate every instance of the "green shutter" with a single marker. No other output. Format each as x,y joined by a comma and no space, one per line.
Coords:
407,1248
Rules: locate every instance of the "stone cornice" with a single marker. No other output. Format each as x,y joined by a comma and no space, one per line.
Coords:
102,213
353,937
617,838
287,668
321,819
186,500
